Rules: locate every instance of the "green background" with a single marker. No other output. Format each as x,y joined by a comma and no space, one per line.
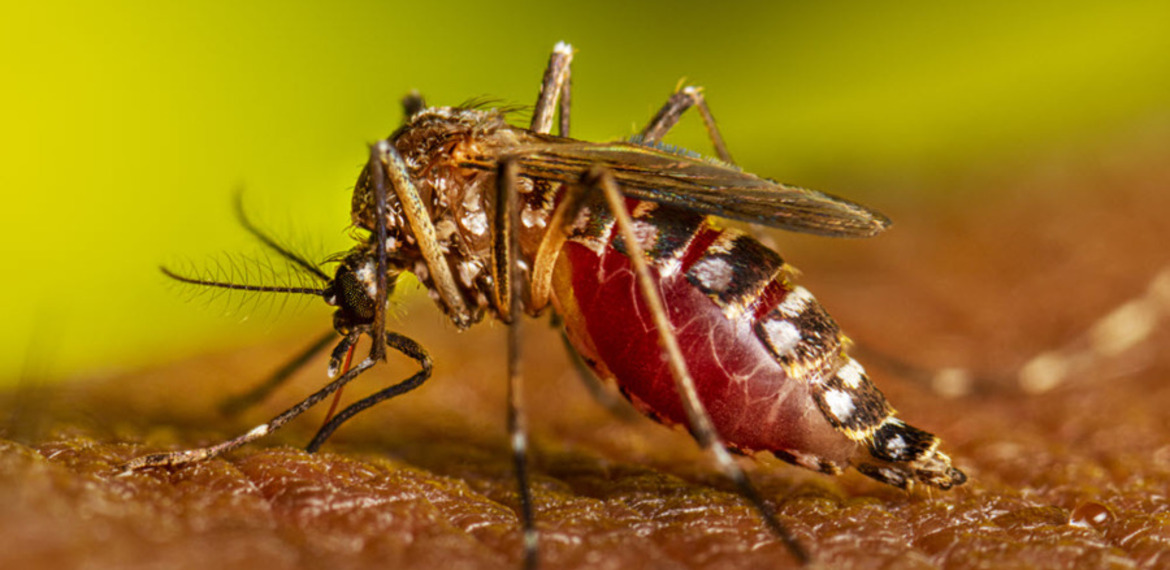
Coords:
127,125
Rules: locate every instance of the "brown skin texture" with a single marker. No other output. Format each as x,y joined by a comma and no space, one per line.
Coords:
425,481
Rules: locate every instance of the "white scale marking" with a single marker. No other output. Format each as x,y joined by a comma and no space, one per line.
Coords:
668,267
806,460
532,217
782,335
475,222
896,445
795,302
365,274
851,374
519,442
646,234
714,273
840,404
468,271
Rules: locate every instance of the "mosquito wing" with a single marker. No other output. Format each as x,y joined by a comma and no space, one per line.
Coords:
660,175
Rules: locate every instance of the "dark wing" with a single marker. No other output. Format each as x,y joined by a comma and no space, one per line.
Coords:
659,175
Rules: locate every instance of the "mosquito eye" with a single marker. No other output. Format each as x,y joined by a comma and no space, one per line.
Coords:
354,295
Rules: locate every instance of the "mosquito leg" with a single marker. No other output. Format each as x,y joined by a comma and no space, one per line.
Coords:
507,293
241,402
383,151
555,83
671,112
597,390
387,165
948,382
700,422
402,344
669,115
204,453
566,104
1125,327
613,404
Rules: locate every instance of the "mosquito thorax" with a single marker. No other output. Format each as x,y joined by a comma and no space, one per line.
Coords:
437,145
450,154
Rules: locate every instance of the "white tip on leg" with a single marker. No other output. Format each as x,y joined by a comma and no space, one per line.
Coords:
258,432
519,443
563,48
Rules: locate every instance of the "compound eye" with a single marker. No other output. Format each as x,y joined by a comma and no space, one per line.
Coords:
355,295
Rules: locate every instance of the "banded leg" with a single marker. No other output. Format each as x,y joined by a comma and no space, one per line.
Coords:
402,344
670,113
378,171
1125,327
177,458
386,164
699,421
507,297
604,397
553,87
398,342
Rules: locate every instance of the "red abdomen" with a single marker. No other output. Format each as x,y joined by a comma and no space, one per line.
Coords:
754,360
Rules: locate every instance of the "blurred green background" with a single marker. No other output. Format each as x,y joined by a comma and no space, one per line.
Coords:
127,125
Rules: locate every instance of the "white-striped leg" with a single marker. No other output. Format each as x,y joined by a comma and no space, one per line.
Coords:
700,422
555,85
606,398
395,341
407,347
1122,329
177,458
1125,327
386,159
670,113
507,293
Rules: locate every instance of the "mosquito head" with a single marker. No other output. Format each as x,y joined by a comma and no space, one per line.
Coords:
353,290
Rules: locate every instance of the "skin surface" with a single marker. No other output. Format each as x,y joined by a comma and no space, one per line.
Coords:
425,481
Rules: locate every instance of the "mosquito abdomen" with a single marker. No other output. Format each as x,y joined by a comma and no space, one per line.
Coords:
768,361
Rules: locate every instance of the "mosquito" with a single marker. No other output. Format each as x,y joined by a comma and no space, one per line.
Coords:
696,324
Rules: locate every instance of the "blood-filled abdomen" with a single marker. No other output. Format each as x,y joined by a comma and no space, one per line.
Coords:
723,292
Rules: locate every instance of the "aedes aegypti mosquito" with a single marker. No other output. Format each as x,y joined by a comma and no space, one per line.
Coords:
696,325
